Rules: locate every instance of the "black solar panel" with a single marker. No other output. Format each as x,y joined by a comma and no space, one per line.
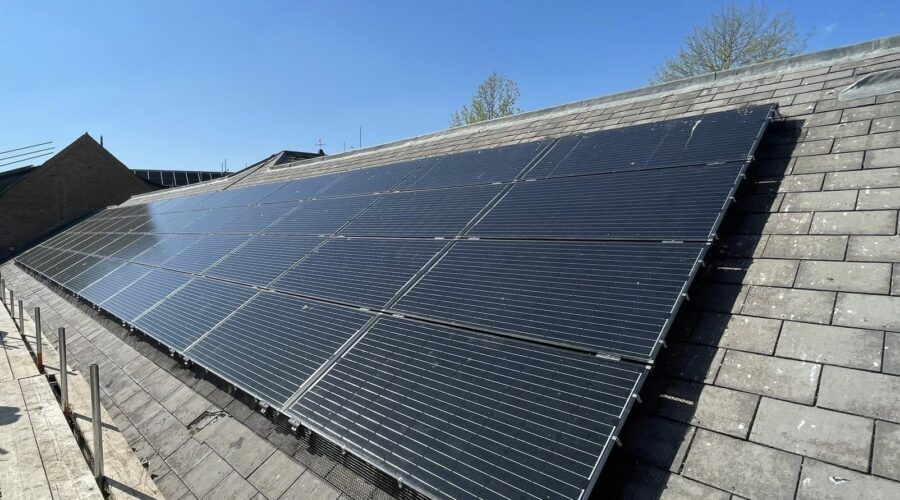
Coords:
166,248
300,189
365,272
114,282
96,269
138,246
142,294
76,268
264,258
183,317
256,218
205,252
463,415
441,212
667,204
323,216
275,342
484,166
699,140
372,180
603,297
117,245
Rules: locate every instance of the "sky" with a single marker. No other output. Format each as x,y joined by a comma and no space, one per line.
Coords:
190,84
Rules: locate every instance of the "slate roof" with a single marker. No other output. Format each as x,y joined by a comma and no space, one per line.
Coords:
781,378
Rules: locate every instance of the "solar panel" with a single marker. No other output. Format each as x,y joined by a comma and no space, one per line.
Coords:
275,343
205,252
142,294
166,248
138,246
463,415
256,218
210,219
441,212
609,297
114,282
117,245
323,216
727,136
667,204
263,258
372,180
365,272
190,312
484,166
95,269
75,268
300,189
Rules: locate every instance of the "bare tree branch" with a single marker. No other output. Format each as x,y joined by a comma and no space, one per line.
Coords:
496,97
734,37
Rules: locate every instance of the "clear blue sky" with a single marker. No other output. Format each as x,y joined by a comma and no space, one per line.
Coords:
182,85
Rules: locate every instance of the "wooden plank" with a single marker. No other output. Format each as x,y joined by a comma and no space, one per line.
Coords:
22,473
64,464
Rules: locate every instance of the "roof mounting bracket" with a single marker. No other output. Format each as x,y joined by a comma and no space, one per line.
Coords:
610,357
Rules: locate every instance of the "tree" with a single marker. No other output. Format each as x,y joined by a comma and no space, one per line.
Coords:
734,37
496,97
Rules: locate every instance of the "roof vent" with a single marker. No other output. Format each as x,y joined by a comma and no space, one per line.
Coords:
879,83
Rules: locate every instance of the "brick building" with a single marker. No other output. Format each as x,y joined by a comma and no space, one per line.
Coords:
81,178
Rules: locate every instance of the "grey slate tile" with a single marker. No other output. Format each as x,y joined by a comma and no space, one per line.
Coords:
741,467
850,347
705,406
792,304
233,487
650,482
769,376
187,456
873,222
874,312
874,249
207,474
892,353
820,480
886,455
806,247
873,395
312,487
845,276
276,474
862,179
813,432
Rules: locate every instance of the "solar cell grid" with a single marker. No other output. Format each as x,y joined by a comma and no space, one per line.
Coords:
112,283
716,137
603,297
118,244
184,316
275,343
300,189
255,218
324,216
75,267
367,272
203,253
484,166
138,246
263,258
166,248
97,269
440,212
133,300
372,180
463,415
667,204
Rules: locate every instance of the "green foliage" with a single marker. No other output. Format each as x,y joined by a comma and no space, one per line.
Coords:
734,37
496,97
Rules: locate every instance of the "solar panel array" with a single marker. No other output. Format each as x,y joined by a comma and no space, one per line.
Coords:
475,324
